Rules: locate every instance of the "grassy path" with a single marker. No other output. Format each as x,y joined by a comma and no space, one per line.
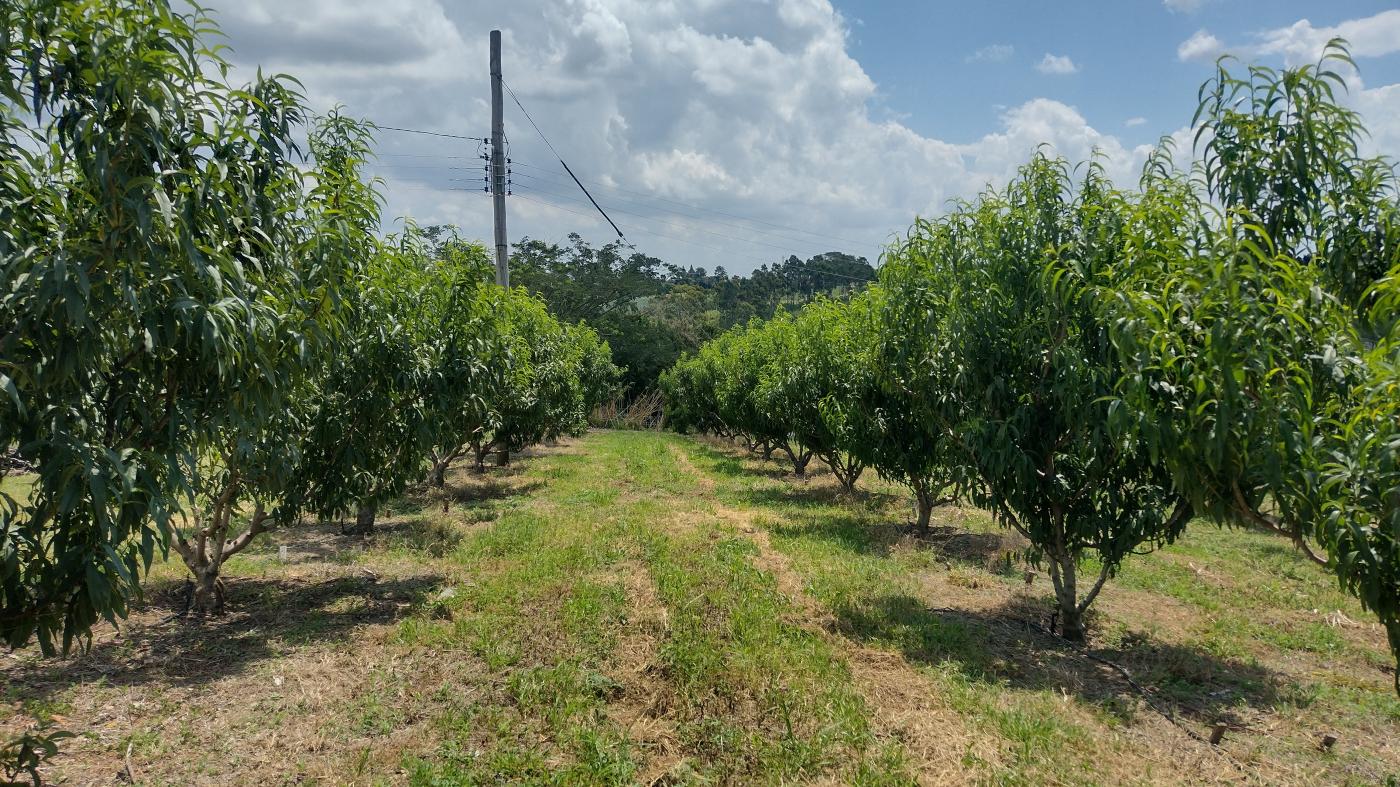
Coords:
635,608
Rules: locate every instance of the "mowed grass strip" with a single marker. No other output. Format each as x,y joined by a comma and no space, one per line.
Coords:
1225,627
614,555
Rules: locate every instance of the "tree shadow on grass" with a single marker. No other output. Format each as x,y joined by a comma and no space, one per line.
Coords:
850,532
487,490
1007,646
808,495
734,465
873,535
265,619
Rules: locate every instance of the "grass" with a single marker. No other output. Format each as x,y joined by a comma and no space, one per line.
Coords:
639,608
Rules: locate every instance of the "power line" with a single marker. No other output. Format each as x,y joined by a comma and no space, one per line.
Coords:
420,155
422,166
787,249
561,158
646,231
823,245
429,133
709,210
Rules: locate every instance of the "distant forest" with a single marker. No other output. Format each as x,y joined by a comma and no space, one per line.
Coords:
651,311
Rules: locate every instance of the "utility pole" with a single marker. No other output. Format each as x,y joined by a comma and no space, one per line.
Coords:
498,162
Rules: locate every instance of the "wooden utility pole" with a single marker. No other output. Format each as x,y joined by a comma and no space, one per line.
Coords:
498,162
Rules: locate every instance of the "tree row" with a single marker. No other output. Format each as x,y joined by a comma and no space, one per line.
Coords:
204,334
1101,367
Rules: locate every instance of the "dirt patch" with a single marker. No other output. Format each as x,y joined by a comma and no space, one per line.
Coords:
702,479
642,710
902,703
260,690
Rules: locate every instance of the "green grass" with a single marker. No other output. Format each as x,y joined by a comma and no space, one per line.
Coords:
638,607
1253,641
752,696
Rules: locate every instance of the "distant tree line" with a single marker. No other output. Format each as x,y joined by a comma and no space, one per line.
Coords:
650,311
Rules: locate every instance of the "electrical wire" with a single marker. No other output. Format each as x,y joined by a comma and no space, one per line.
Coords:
731,252
816,244
428,133
561,159
706,210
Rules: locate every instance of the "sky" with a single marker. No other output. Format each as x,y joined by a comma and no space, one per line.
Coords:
734,133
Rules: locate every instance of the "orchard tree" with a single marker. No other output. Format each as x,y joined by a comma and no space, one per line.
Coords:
464,339
248,466
897,417
546,377
370,428
783,406
152,219
1360,471
689,391
1028,371
823,378
1259,358
1278,146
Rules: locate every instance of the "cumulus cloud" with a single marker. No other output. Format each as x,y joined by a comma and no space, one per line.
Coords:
1056,64
1200,46
1302,41
1134,122
1183,6
672,112
993,53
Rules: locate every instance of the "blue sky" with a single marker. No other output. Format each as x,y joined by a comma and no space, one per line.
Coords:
737,132
924,57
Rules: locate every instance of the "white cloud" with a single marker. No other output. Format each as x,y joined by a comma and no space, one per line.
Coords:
1056,64
753,109
1183,6
993,53
1134,122
1302,42
1200,46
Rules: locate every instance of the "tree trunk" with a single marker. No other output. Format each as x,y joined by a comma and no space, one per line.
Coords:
479,458
798,458
503,457
208,590
923,504
364,518
1071,620
799,464
438,477
848,481
846,472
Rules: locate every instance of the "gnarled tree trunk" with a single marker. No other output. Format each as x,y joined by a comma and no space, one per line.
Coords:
847,470
211,546
1063,569
437,477
441,462
364,518
799,458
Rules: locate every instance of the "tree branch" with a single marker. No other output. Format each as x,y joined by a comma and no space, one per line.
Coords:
255,528
1094,591
1269,523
